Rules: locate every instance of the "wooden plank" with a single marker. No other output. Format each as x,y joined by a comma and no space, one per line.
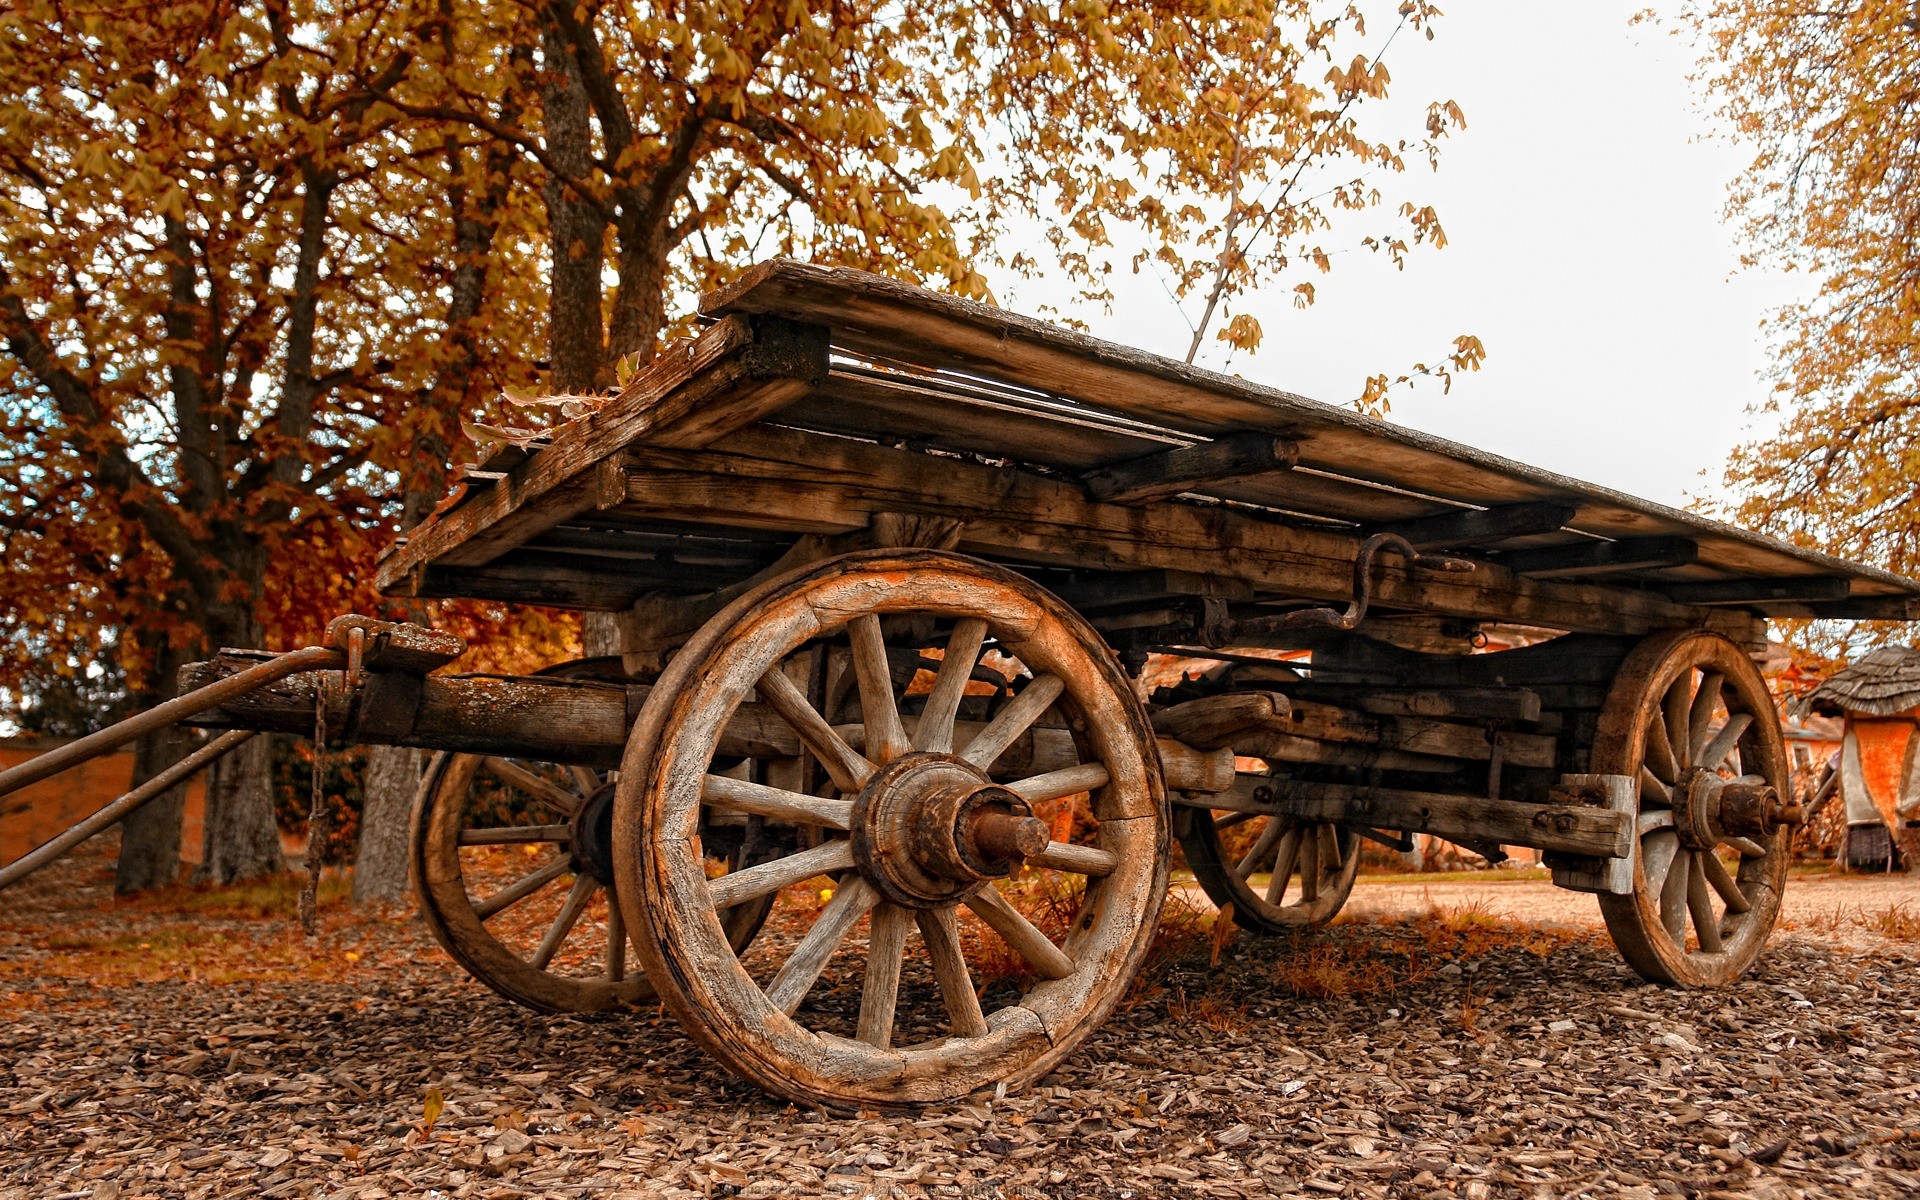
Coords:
1760,591
1170,472
872,315
1573,828
735,373
1601,558
560,580
1482,526
1102,591
787,479
1489,704
1869,608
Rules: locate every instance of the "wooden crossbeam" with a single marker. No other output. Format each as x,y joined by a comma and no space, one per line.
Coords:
1601,558
1482,526
1170,472
1760,591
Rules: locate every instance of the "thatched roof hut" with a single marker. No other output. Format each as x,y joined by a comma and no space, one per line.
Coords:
1885,683
1879,765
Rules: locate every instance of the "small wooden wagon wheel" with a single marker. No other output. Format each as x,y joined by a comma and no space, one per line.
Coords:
512,863
1309,866
921,820
1689,717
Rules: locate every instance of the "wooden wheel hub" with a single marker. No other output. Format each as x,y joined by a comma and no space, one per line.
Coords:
591,840
930,829
1714,808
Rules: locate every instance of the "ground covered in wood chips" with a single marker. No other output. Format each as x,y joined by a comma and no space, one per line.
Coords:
196,1045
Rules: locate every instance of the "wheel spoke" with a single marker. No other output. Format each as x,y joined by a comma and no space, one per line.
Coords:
1330,847
886,737
739,795
515,835
880,992
737,887
1262,849
514,893
1232,819
1647,822
586,779
1652,791
940,930
1700,715
1283,865
1077,860
935,731
1660,757
1309,868
1700,904
802,968
1736,900
1657,849
1673,895
1747,847
1674,709
1717,751
1068,781
847,767
537,786
584,886
1020,713
1025,939
616,940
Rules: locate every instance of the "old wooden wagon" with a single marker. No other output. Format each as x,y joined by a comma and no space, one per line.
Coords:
882,570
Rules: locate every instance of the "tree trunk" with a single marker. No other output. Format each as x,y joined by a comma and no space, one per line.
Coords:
576,226
150,837
242,839
386,807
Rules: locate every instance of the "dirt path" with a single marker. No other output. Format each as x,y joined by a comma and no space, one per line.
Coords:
1834,905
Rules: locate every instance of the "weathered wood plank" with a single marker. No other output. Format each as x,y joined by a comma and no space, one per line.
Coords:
1600,558
787,479
883,317
735,373
1170,472
1482,526
1572,828
1760,591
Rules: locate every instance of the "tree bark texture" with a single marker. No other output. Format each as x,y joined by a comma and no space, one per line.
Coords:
380,863
241,838
150,837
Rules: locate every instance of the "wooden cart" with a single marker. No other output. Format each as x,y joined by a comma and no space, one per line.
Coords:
880,573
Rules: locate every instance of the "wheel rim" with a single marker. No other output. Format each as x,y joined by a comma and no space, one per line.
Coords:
913,827
1277,872
1689,717
510,886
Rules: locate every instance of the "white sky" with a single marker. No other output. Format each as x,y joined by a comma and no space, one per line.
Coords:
1586,249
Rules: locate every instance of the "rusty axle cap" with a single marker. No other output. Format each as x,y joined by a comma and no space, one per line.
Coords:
930,829
1711,809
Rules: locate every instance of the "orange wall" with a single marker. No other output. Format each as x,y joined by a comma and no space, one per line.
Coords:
34,814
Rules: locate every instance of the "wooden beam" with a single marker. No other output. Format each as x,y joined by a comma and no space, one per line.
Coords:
1870,608
1573,828
1482,526
1759,591
1487,704
1601,558
1170,472
787,479
734,374
561,580
1104,590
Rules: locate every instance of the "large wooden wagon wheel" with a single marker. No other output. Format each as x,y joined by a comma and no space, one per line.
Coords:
512,863
1279,873
918,822
1690,718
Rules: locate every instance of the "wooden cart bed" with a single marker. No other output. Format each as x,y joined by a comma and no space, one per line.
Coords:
821,398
